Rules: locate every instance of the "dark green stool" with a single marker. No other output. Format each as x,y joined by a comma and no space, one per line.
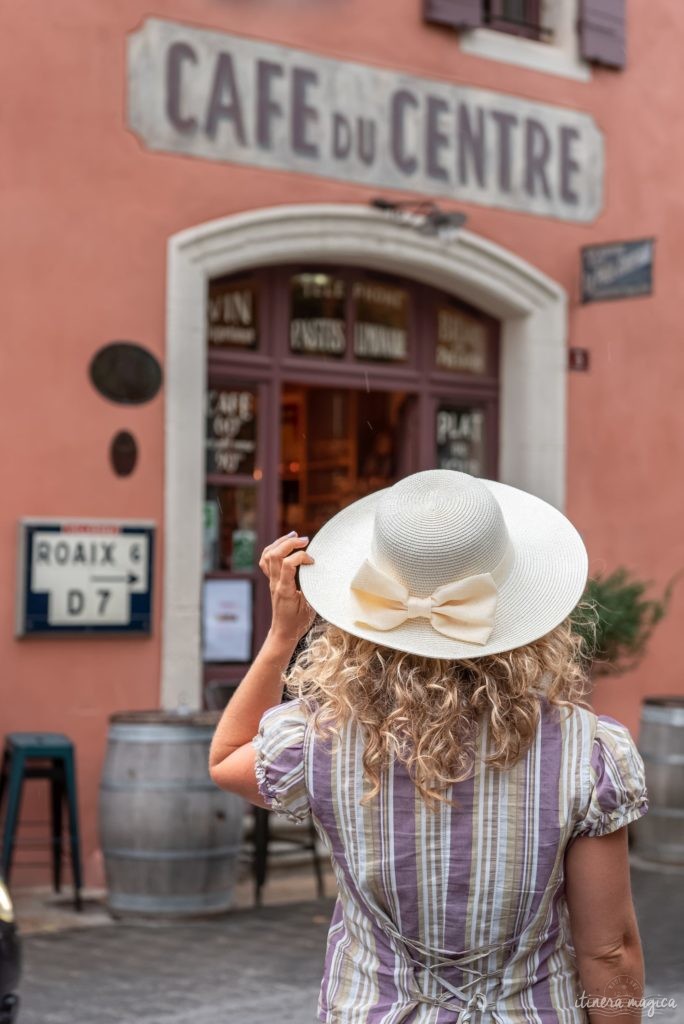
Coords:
42,755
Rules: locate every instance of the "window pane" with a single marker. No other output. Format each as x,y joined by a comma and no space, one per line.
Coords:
514,10
520,17
230,528
231,417
380,321
317,315
461,342
460,437
338,445
232,313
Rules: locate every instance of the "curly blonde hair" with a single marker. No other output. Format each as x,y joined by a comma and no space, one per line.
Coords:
428,711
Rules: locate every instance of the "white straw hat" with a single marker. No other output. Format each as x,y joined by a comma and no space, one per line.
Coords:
446,565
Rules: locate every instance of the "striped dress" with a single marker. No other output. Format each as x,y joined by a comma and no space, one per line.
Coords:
458,915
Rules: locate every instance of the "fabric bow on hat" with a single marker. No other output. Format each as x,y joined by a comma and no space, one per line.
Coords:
462,610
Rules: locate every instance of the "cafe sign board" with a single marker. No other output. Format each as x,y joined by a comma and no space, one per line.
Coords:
223,97
80,576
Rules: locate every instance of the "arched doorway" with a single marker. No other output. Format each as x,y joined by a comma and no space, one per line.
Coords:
521,396
325,383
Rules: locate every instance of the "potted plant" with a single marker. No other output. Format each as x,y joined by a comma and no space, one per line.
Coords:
615,619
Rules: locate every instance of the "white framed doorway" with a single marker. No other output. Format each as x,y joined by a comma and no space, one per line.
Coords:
532,309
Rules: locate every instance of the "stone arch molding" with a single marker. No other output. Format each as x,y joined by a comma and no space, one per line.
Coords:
531,307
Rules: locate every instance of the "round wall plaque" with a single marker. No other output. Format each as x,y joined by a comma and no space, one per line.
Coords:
125,372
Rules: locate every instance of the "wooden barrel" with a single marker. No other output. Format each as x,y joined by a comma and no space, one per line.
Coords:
659,835
170,837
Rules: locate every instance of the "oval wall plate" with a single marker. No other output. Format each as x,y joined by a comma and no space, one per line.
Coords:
123,453
125,372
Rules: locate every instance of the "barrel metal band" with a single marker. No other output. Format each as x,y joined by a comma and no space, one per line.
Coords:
662,758
652,713
160,733
160,785
213,852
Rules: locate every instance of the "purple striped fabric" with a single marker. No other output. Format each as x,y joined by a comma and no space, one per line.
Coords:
463,911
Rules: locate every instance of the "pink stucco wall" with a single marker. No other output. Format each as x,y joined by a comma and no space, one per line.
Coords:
86,214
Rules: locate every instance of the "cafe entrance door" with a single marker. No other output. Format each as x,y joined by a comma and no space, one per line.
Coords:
337,445
323,385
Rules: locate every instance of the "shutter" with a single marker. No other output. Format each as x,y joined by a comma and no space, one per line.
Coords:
603,36
456,13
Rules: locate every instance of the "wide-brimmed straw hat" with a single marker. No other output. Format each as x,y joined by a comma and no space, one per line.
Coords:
446,565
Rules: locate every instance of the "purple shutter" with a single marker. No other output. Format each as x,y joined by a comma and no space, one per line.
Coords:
603,34
456,13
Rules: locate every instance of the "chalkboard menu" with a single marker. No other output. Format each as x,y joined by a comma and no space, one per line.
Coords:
460,437
231,431
232,313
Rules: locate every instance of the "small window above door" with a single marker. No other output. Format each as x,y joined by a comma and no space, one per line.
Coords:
318,314
232,313
462,343
465,340
380,314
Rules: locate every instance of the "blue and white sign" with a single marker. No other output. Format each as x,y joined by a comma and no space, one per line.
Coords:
618,270
85,576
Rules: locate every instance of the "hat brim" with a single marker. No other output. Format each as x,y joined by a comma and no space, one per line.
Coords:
546,580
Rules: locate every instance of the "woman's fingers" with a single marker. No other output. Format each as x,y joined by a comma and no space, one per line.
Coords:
273,554
265,554
285,579
292,614
278,540
289,569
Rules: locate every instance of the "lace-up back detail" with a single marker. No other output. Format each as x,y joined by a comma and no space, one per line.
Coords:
459,915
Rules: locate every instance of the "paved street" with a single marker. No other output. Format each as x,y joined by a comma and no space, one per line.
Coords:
257,966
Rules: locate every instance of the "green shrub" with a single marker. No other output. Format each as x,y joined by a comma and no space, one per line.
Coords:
615,620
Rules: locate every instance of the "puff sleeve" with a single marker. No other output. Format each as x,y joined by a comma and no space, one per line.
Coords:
279,760
617,791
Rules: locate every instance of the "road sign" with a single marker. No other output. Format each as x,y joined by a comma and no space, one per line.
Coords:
85,576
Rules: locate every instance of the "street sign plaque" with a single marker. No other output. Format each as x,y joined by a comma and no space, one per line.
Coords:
618,270
79,576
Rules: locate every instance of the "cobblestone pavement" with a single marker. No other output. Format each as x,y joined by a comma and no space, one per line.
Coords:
255,966
258,966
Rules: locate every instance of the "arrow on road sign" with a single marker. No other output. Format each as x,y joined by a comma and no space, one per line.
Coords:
128,578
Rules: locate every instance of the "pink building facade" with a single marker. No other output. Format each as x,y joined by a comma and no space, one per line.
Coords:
212,183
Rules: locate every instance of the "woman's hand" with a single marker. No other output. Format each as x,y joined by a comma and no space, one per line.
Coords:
292,614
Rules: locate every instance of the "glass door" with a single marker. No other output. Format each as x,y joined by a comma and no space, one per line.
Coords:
325,384
337,445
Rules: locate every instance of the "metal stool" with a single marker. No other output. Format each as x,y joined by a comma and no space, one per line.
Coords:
217,695
259,835
41,755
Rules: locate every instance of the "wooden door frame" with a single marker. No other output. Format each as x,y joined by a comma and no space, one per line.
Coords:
237,367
